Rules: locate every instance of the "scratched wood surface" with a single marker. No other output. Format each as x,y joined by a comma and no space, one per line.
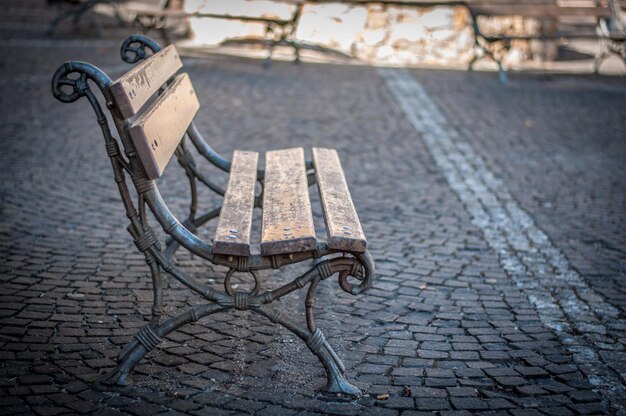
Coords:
133,89
343,227
287,225
158,130
233,229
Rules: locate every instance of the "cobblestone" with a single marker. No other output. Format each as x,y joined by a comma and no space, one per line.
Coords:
451,319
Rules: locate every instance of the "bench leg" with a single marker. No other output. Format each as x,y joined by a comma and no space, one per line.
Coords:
608,48
481,52
165,36
55,22
94,21
296,49
147,339
335,370
75,15
598,59
157,290
149,336
270,52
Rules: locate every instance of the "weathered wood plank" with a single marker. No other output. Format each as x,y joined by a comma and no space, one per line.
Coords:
133,89
343,227
287,217
157,131
233,229
539,11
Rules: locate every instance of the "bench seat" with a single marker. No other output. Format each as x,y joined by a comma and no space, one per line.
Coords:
287,224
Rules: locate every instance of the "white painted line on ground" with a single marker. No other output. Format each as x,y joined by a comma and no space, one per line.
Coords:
564,302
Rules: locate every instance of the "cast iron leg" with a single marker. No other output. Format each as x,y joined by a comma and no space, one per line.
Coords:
478,54
270,52
296,49
53,25
597,60
56,21
165,35
157,289
335,370
146,339
481,52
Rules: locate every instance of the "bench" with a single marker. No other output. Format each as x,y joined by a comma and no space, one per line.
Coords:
75,9
612,34
610,41
278,31
153,108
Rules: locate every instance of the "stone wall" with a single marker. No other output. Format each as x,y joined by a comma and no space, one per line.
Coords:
374,33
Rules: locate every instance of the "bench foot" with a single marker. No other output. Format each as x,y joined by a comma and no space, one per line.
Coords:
481,52
335,373
119,377
147,339
340,385
597,61
337,381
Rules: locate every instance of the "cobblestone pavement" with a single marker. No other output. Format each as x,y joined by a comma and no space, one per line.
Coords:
496,215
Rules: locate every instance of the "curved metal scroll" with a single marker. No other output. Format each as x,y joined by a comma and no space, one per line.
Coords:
134,48
85,71
367,263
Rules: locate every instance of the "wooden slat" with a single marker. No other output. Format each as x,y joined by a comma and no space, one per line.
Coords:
539,11
233,229
133,89
343,227
158,130
287,217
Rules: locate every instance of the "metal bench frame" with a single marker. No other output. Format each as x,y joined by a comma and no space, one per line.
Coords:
612,35
70,83
278,32
75,9
610,41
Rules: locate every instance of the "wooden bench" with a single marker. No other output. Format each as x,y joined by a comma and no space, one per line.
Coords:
546,10
153,108
76,9
278,31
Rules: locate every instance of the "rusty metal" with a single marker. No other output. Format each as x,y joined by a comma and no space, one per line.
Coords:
70,83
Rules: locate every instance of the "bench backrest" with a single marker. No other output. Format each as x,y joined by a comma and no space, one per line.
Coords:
156,119
538,8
